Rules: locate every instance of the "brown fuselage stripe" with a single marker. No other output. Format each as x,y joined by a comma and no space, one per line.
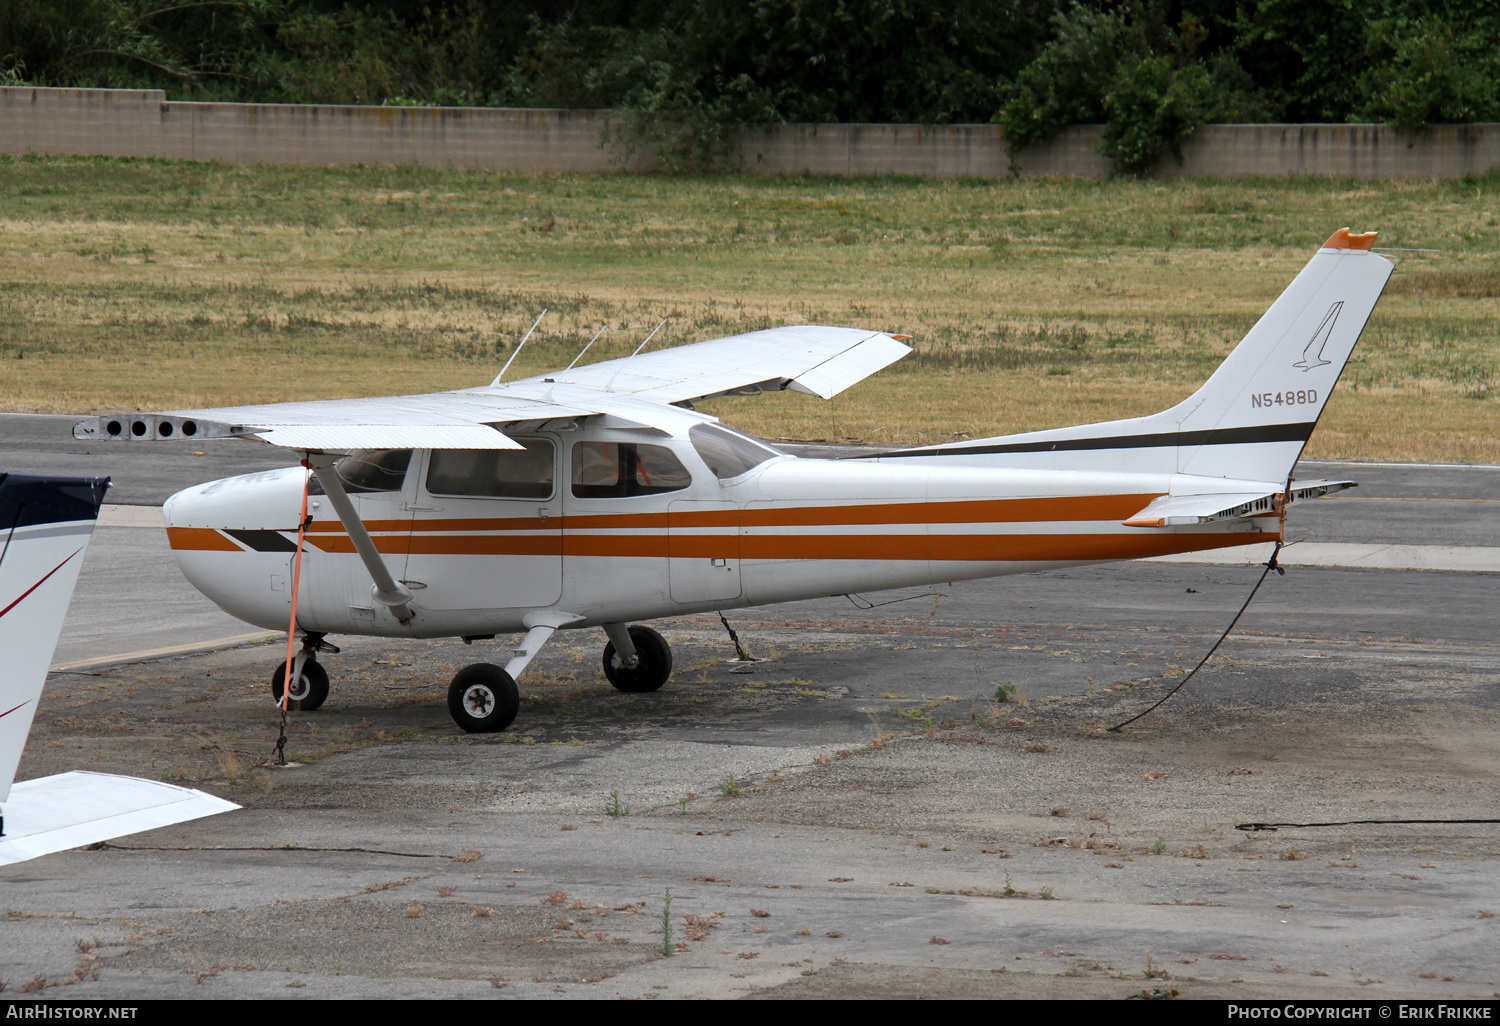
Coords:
966,511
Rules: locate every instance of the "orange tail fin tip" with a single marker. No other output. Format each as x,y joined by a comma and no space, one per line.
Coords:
1344,239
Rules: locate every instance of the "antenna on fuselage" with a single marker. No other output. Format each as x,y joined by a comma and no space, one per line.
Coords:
637,350
517,351
584,349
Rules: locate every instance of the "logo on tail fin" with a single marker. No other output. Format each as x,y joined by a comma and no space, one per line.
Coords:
1312,356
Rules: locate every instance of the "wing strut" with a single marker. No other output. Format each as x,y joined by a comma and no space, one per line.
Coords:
386,591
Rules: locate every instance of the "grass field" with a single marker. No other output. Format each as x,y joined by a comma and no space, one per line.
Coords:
138,284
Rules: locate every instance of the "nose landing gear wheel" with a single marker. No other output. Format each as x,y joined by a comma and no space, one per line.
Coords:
310,691
483,699
650,673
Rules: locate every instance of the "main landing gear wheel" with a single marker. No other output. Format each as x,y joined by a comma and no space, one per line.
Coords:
310,691
650,673
483,699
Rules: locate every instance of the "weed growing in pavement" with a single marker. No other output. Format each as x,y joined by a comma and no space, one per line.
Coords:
666,925
731,786
614,807
917,716
1155,972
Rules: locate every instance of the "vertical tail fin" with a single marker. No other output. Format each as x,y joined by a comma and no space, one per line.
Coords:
45,524
1253,416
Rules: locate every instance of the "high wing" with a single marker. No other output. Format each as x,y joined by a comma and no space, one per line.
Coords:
820,361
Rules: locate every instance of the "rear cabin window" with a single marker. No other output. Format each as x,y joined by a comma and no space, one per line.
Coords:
729,453
370,470
612,470
494,473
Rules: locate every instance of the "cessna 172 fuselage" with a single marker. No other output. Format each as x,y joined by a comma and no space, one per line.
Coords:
599,497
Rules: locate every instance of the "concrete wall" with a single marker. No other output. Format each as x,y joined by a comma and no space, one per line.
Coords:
1344,151
142,122
139,123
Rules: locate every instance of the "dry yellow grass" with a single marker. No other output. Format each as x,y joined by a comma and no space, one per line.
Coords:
138,284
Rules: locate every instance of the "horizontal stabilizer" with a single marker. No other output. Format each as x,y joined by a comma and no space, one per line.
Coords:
73,809
1318,489
1177,510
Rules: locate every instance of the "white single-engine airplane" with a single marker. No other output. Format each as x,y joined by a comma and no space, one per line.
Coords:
597,496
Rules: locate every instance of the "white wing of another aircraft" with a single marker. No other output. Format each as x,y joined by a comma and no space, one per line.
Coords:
820,361
45,525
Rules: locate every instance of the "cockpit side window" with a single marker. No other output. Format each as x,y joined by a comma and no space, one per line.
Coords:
370,470
729,453
494,473
612,470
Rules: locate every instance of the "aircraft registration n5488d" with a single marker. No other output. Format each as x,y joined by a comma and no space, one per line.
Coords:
598,497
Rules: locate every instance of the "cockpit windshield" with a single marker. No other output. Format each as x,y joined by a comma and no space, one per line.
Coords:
729,453
370,470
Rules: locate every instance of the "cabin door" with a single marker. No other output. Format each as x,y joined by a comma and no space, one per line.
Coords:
487,529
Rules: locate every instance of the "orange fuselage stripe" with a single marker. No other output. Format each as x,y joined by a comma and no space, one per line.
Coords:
200,538
981,548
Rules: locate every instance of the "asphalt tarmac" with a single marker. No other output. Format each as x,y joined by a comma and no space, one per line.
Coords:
857,816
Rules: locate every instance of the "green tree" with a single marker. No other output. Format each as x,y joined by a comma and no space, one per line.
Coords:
1067,82
1306,56
1129,69
1430,71
355,55
1153,105
204,48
